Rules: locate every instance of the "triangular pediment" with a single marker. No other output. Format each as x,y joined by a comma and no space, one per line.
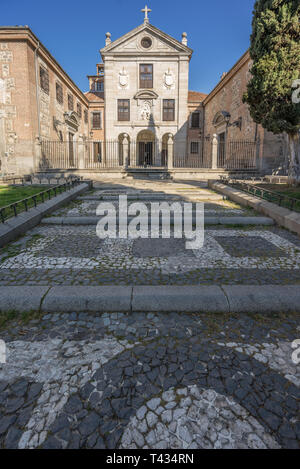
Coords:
131,43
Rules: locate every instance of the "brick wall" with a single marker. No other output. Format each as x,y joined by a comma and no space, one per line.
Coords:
26,110
227,96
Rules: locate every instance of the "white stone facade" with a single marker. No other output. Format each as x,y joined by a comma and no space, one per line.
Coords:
170,61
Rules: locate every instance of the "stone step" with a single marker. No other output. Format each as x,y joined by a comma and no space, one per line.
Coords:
153,197
226,221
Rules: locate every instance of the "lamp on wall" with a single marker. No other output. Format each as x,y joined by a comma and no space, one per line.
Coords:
56,123
237,123
91,134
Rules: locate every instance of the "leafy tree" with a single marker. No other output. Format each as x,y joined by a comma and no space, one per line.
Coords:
275,51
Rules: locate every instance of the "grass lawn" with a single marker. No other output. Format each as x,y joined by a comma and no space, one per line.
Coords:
10,194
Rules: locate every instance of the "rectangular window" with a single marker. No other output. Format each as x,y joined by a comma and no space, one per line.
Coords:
146,76
70,102
59,93
86,117
169,109
195,148
123,110
79,111
96,120
195,121
44,79
99,86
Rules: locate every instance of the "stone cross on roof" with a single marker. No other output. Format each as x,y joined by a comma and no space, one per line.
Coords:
146,10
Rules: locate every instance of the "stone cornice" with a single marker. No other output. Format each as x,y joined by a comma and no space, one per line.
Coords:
20,33
236,67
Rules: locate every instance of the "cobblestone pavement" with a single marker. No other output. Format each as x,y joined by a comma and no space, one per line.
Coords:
74,255
150,381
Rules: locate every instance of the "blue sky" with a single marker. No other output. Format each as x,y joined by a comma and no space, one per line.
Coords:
74,30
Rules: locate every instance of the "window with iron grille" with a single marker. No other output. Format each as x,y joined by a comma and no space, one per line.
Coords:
195,148
123,110
146,76
86,117
70,102
79,111
44,79
59,93
96,120
195,122
169,109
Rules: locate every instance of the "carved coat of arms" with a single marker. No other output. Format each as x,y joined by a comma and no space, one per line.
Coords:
123,78
168,79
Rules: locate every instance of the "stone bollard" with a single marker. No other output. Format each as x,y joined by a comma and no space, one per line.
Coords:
81,153
37,154
214,152
125,145
170,151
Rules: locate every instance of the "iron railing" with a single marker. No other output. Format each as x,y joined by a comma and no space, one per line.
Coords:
187,155
271,196
15,208
109,154
237,154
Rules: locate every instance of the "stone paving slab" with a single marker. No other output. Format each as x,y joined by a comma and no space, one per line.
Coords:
22,299
87,298
185,299
200,298
157,381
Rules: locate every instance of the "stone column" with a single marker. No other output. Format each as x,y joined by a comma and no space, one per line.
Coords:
125,145
158,151
170,151
214,152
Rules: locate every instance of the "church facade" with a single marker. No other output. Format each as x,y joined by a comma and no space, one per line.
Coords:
137,113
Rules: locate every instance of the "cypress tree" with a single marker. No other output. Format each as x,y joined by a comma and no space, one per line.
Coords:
273,92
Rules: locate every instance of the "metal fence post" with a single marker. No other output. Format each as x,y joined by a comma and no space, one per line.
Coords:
214,152
258,161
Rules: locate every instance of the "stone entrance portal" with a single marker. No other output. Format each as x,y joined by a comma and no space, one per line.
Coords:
146,148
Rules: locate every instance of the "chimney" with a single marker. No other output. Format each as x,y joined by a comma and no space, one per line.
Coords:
108,39
184,39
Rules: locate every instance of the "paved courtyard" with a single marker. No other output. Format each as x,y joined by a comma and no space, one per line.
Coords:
72,254
141,380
